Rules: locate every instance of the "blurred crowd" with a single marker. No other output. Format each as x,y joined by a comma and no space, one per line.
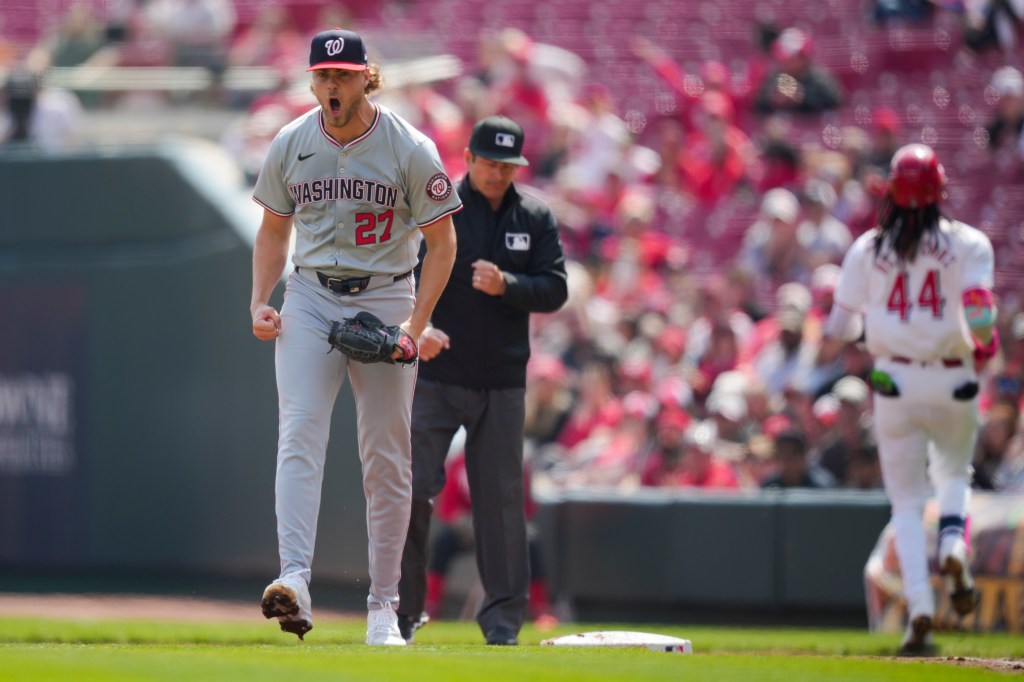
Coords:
704,232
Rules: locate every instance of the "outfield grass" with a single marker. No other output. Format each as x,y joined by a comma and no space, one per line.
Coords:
39,650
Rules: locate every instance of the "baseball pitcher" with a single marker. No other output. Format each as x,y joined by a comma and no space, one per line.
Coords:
360,188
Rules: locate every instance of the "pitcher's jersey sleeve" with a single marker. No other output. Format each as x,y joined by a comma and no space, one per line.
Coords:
431,195
271,191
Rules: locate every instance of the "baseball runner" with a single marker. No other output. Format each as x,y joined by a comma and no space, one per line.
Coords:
359,185
923,284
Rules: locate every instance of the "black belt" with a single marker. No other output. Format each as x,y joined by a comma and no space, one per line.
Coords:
350,286
946,362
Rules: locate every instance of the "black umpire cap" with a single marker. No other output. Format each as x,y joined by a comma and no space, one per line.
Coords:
498,138
337,49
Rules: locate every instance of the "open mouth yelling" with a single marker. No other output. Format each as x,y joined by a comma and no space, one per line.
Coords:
334,104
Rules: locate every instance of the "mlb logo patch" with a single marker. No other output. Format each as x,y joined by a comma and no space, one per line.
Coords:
517,241
505,140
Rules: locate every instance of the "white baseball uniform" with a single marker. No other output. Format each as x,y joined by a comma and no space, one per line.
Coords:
915,327
357,212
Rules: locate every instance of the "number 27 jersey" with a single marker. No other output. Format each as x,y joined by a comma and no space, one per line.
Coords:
914,309
358,207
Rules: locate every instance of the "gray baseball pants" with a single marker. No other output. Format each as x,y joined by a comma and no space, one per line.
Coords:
308,380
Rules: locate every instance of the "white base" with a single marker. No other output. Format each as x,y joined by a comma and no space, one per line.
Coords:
620,638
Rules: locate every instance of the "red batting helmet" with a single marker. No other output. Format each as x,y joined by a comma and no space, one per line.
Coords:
916,178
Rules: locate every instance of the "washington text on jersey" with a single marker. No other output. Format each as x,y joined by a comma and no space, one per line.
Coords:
340,189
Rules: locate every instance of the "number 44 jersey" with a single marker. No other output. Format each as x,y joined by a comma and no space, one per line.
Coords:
914,309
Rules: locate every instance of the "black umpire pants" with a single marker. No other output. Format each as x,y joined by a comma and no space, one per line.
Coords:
494,465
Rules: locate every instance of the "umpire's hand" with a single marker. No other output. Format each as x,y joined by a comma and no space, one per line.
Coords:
432,341
266,323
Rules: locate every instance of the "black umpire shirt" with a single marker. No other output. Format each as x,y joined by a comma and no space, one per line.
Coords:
490,335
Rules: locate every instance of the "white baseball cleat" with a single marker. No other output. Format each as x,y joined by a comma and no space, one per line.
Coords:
287,599
382,627
956,573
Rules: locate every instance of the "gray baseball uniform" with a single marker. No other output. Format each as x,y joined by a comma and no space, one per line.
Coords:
357,212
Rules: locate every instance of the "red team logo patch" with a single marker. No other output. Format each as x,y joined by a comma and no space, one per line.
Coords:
439,188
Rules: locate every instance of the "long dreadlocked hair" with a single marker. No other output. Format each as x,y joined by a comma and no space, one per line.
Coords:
903,228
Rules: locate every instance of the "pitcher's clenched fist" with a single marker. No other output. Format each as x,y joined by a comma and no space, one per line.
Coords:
266,323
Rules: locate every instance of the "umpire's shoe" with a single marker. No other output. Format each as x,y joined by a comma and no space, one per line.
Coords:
918,639
287,599
408,625
500,636
956,573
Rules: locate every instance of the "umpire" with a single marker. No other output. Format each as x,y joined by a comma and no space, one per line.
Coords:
509,264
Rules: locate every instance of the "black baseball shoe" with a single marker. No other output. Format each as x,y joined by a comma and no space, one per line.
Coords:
500,636
408,625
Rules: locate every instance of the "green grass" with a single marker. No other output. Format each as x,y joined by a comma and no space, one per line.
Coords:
39,650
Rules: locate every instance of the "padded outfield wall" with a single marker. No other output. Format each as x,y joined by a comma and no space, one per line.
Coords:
138,418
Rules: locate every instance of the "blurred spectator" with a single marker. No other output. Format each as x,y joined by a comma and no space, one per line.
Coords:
863,469
899,11
548,399
197,31
796,84
697,466
727,409
715,335
1014,348
598,142
596,406
789,295
559,71
612,456
517,88
42,116
663,463
849,428
780,161
634,373
270,40
689,89
828,365
794,468
721,355
756,464
998,429
771,248
886,138
786,362
1004,387
989,24
824,237
1004,130
78,39
823,288
133,36
669,348
715,159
